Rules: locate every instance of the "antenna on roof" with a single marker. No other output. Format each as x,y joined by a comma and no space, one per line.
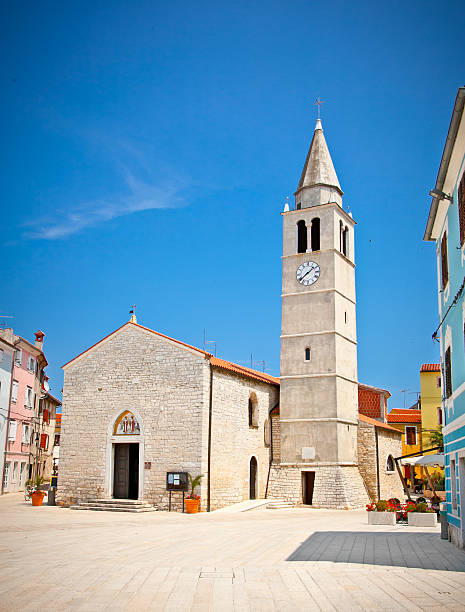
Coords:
404,391
207,342
132,312
4,323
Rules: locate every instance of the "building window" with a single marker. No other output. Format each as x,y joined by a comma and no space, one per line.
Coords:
12,426
461,194
453,484
345,317
438,382
6,471
444,264
57,440
253,411
31,364
411,436
26,437
15,472
14,391
267,433
301,237
44,441
315,234
448,372
440,416
18,357
298,206
308,354
29,398
390,464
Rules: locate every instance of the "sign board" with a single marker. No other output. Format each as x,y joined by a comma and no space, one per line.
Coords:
177,481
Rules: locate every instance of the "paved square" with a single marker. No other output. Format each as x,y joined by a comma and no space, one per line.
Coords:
297,559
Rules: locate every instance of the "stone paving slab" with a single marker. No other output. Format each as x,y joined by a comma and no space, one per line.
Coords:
300,559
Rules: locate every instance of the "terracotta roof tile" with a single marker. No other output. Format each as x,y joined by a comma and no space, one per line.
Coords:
430,367
376,423
408,416
233,367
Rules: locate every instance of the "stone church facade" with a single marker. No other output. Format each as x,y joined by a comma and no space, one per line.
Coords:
192,413
138,404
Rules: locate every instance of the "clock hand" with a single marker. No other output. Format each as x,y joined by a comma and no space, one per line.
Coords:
302,277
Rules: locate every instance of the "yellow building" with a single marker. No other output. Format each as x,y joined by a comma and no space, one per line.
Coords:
430,398
408,421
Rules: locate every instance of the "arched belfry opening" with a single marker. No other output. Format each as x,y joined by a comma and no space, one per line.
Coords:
301,237
125,456
315,234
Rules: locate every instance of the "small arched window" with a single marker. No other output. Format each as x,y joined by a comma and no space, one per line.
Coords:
390,464
298,206
267,433
315,234
308,354
253,411
345,241
301,237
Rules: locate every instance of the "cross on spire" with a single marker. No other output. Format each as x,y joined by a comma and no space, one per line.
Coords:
318,103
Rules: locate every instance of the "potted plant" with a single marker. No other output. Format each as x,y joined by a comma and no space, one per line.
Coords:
380,514
422,516
37,496
192,501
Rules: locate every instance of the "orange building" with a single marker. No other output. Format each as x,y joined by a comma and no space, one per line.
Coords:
408,422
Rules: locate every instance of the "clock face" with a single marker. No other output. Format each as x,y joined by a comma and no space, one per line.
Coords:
308,273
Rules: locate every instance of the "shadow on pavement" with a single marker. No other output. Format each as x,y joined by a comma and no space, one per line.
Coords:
421,550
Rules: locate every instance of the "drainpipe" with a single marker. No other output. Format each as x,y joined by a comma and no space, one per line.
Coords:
210,412
377,464
7,424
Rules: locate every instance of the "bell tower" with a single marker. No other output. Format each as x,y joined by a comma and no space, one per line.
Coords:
319,389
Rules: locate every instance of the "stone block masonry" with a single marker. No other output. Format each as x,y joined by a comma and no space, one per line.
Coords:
337,487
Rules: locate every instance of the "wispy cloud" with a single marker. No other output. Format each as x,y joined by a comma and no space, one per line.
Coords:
140,195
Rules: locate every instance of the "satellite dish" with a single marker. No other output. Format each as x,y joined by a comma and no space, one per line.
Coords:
46,386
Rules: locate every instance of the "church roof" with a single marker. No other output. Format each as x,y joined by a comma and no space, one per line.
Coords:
319,168
215,361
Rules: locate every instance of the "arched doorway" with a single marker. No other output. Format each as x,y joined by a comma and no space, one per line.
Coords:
253,478
125,457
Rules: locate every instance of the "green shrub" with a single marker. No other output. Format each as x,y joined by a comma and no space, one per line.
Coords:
422,507
381,505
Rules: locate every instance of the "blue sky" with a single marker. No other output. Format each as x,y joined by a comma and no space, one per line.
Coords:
149,148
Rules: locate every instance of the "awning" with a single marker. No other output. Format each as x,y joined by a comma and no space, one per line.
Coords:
437,459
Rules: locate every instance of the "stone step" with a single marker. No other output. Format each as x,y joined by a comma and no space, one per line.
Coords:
277,504
120,502
107,508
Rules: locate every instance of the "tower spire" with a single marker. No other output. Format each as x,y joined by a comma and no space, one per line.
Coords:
318,182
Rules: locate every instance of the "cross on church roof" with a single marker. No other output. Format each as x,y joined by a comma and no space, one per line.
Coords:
318,103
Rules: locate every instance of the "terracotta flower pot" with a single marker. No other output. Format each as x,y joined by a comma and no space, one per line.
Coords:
192,505
37,498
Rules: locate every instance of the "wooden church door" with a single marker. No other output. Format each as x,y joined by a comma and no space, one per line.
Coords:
121,489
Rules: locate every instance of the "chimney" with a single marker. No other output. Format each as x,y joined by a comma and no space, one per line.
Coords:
7,334
39,339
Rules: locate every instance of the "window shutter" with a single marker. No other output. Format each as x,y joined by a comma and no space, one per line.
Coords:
444,265
45,418
461,194
18,357
448,369
14,391
43,440
12,431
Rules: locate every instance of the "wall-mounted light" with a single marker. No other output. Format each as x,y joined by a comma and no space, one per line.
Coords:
435,193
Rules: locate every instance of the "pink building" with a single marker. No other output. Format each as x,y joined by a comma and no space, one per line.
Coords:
21,446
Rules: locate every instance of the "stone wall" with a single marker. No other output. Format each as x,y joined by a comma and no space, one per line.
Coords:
165,384
339,487
389,443
233,441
